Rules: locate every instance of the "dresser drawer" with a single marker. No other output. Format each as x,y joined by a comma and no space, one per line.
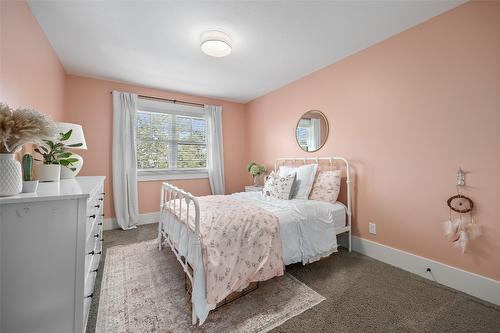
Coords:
93,236
88,294
94,215
91,262
89,286
86,310
95,201
90,281
90,222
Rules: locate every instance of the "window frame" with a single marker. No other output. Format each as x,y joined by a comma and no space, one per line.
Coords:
148,105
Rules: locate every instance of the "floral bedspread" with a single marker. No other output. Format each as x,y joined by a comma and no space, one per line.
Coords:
240,244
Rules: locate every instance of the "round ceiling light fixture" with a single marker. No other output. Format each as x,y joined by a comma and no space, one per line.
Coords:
215,43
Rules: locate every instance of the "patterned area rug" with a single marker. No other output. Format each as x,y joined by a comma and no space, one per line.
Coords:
143,291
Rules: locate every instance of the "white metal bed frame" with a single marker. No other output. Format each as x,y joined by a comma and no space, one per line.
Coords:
172,199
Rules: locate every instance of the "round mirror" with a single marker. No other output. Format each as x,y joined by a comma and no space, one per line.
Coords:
312,130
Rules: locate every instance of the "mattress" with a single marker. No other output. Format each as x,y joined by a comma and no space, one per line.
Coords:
307,227
339,212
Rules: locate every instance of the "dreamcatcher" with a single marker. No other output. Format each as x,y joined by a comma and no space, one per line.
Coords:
461,227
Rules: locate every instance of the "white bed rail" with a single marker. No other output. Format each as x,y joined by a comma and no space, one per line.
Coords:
172,201
331,160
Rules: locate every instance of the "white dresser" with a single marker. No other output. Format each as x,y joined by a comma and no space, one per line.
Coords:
50,247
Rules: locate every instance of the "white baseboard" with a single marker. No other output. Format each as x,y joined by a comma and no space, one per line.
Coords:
146,218
473,284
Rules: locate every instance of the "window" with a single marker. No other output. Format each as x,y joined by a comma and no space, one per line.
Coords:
171,141
303,133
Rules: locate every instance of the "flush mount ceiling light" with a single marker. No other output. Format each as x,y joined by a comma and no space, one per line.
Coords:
215,43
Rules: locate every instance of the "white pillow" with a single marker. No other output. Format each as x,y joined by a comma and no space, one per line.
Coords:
304,179
278,187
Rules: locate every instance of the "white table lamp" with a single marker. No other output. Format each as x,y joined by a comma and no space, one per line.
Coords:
76,137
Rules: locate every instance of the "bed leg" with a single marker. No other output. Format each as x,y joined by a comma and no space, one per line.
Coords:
193,315
350,240
159,237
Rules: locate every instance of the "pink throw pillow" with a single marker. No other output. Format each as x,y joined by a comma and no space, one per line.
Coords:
326,186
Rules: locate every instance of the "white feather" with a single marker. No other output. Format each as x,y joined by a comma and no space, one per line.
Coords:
473,230
462,241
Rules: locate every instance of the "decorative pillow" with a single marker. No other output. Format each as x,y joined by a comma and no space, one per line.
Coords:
278,187
327,186
305,175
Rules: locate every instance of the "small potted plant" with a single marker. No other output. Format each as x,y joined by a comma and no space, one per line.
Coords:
54,154
17,128
29,185
256,170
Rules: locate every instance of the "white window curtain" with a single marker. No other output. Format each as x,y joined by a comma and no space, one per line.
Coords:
215,158
125,159
315,134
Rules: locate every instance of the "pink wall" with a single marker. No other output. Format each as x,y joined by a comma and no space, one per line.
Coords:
89,103
407,113
30,72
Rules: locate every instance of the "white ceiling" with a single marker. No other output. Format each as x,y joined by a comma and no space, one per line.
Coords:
156,44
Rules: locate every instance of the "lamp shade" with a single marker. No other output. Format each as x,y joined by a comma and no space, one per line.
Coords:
76,136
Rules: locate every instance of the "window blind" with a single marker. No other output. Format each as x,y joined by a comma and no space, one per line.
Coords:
170,141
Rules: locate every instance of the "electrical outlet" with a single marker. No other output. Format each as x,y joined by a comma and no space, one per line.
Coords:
372,228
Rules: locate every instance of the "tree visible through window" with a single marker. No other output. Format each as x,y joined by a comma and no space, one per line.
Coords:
170,141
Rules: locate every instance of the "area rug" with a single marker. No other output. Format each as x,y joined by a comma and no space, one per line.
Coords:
142,290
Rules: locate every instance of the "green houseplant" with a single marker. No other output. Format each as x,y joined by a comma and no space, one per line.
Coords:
29,185
54,154
255,171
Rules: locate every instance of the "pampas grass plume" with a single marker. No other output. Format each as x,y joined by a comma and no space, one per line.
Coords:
22,126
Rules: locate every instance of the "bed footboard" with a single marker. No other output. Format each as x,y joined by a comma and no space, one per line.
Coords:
171,206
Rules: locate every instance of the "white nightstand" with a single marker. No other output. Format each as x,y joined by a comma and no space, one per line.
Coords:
252,188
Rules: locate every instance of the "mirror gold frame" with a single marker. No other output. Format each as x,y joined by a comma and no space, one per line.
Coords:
327,128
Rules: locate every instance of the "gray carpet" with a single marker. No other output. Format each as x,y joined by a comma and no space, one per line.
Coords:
362,295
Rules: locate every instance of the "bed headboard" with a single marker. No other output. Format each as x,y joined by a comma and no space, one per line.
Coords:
321,161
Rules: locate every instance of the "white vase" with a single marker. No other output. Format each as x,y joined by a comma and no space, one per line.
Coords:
48,172
11,181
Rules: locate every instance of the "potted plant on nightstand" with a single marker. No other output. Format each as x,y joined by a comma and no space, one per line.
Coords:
17,128
54,155
256,170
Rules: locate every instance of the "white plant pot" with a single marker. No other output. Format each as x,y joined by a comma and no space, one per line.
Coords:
48,172
11,181
30,186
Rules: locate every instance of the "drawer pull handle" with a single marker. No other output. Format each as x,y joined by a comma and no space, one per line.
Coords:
95,270
92,216
101,199
97,206
96,235
91,253
100,223
90,296
102,215
98,252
